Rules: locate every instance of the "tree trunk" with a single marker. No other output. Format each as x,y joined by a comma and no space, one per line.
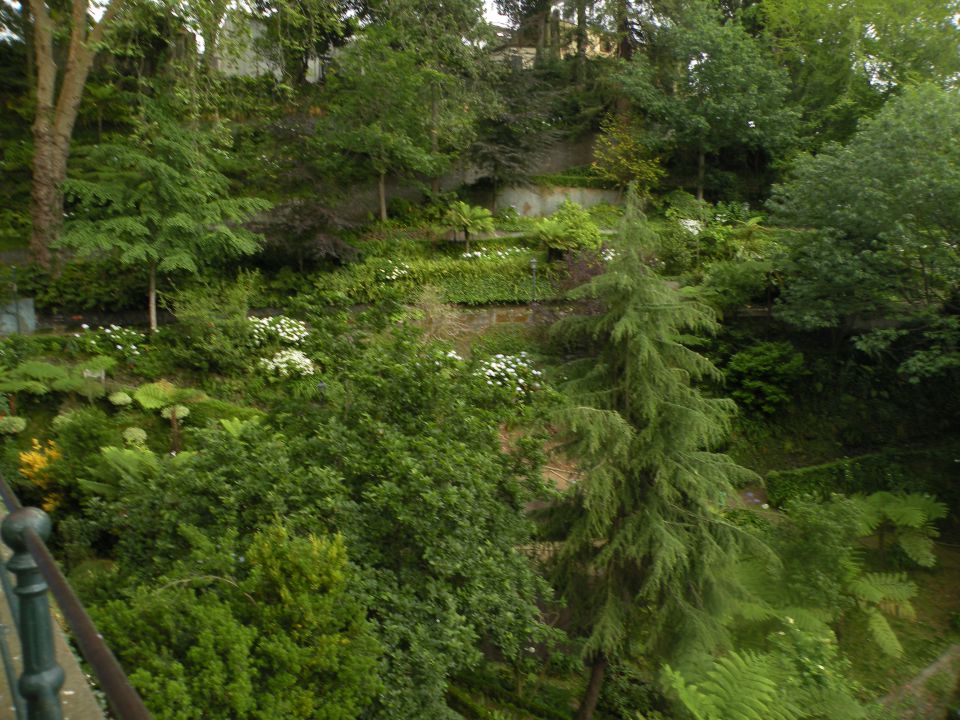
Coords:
434,138
382,188
590,697
152,297
466,238
625,45
46,198
581,41
701,172
26,27
174,431
56,114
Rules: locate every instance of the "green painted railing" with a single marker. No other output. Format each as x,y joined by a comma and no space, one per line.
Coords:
24,531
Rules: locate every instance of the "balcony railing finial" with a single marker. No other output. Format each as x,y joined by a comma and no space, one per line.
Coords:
42,677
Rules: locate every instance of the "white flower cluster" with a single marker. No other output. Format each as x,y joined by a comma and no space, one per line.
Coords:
451,357
485,254
113,340
694,227
514,372
609,254
280,327
288,363
394,272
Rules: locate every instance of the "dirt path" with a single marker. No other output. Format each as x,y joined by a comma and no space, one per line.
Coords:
918,699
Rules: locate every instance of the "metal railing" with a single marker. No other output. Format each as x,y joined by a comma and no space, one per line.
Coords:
24,531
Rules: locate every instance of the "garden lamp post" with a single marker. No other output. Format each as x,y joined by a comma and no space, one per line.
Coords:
533,273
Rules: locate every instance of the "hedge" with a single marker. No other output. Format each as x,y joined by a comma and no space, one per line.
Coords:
932,470
460,281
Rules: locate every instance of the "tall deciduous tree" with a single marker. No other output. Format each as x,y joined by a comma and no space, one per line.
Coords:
384,137
646,558
846,58
422,117
157,200
298,31
885,216
58,96
712,87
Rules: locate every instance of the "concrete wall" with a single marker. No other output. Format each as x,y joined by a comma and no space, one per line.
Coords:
542,201
362,200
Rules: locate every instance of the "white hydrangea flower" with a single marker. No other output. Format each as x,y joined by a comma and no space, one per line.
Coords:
288,363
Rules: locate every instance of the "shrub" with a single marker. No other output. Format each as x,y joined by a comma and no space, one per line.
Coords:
468,281
114,341
11,424
931,470
212,333
287,363
762,375
569,228
85,285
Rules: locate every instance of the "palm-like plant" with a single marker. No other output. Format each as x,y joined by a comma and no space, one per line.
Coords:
171,402
469,219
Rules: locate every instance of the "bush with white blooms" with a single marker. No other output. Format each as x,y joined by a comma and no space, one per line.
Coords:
288,363
279,327
511,372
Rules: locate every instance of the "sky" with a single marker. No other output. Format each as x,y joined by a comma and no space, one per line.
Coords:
490,12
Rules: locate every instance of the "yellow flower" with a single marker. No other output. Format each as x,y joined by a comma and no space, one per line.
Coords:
34,465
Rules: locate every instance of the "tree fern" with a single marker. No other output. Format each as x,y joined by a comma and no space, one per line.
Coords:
739,686
909,518
882,634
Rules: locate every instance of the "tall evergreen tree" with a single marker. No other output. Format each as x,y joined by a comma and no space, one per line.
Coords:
646,558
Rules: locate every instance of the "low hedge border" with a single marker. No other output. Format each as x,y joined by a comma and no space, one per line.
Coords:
933,470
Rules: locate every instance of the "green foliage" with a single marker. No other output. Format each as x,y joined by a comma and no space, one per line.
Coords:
739,686
274,632
909,518
646,558
846,59
622,155
92,284
729,285
569,229
585,176
763,375
212,333
882,211
37,377
402,457
11,424
924,470
822,577
158,201
114,342
710,86
469,219
467,281
801,675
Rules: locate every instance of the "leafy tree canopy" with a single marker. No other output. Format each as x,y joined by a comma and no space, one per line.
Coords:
885,216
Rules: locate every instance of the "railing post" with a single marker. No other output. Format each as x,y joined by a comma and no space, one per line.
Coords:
42,677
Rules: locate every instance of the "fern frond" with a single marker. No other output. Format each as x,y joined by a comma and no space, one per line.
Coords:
918,546
39,370
883,587
883,634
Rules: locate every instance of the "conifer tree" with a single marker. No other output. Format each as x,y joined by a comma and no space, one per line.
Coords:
646,558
